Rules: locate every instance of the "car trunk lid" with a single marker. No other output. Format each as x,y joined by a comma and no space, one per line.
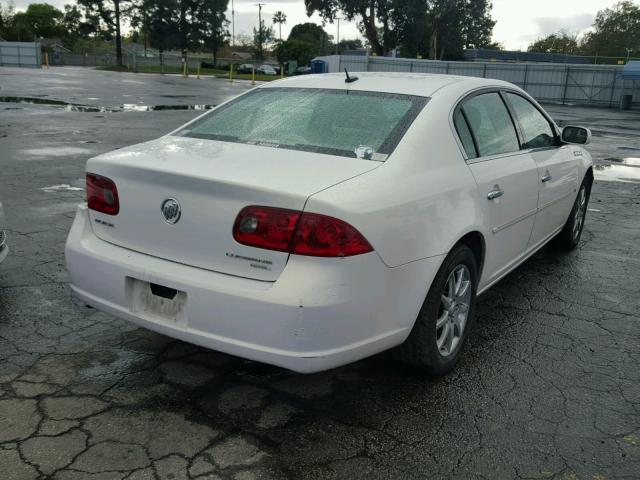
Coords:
211,181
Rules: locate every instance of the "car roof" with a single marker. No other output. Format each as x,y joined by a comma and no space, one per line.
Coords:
420,84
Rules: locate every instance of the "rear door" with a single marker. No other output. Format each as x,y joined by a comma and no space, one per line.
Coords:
557,169
507,179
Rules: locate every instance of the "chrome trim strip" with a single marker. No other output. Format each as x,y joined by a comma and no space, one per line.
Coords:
556,200
528,254
528,214
514,221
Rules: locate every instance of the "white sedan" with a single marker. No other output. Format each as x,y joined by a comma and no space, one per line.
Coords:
266,70
4,248
315,221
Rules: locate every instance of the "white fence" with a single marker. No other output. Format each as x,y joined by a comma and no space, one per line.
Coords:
20,54
599,85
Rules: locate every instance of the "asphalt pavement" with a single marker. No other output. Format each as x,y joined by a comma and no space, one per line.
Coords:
548,387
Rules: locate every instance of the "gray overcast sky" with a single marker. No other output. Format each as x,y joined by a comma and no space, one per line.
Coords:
519,21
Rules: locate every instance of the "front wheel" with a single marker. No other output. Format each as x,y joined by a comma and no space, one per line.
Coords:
569,236
446,316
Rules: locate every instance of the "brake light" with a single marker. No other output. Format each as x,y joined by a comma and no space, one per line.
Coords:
102,194
296,232
266,227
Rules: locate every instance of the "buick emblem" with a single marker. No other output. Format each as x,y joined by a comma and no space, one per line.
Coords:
171,211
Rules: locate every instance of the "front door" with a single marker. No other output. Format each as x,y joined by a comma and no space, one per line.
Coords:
557,169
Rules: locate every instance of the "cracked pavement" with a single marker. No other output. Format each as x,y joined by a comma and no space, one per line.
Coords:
548,386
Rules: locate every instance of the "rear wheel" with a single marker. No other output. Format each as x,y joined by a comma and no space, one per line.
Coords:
569,236
446,316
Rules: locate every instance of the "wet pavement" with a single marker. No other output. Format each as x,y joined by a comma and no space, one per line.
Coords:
549,385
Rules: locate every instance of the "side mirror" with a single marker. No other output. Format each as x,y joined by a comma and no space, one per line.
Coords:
577,135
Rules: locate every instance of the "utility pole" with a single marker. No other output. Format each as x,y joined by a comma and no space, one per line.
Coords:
260,5
233,25
338,37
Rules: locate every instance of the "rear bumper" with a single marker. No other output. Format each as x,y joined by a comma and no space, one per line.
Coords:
319,314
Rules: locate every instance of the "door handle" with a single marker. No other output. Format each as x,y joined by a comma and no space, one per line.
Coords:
546,177
497,192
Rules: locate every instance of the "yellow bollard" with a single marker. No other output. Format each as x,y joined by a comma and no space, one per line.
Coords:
281,70
198,75
231,73
253,75
46,59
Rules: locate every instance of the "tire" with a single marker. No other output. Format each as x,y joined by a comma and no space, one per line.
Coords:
422,348
569,237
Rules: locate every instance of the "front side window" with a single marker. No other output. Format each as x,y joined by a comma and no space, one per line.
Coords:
337,122
536,129
491,125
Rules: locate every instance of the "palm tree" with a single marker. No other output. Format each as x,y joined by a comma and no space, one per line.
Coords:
280,17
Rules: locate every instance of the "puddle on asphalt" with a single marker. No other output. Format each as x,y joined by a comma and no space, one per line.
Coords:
74,107
631,161
619,170
55,151
54,209
63,187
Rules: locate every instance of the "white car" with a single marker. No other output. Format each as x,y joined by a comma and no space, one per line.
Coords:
266,70
4,248
312,222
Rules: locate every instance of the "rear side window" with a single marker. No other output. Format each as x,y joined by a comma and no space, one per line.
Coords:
337,122
491,125
462,127
536,129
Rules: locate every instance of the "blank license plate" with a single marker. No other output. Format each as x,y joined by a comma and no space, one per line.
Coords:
157,301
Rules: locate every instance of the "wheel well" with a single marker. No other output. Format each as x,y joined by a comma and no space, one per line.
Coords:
589,175
475,241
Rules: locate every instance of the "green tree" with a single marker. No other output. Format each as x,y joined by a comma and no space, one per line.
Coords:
279,18
39,20
313,35
349,44
300,51
561,42
160,21
262,36
366,12
7,14
110,13
437,28
616,32
457,24
494,46
74,26
210,25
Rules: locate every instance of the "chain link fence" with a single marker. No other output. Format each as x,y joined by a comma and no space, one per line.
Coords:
134,60
598,85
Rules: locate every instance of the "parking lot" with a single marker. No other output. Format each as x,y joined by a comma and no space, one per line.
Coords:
548,387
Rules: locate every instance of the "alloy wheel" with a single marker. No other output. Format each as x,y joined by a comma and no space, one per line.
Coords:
581,210
454,310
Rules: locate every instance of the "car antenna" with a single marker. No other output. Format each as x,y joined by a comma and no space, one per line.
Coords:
349,79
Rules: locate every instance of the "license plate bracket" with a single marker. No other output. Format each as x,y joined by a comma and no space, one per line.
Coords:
157,302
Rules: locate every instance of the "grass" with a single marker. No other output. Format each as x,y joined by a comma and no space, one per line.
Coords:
192,71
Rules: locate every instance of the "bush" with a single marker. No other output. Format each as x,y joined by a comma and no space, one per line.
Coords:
298,50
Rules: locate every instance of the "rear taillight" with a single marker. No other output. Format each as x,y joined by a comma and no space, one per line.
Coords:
322,236
266,227
297,232
102,194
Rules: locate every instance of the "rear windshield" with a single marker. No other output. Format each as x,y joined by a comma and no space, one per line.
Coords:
339,122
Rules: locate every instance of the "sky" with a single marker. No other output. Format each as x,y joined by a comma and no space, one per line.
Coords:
520,22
